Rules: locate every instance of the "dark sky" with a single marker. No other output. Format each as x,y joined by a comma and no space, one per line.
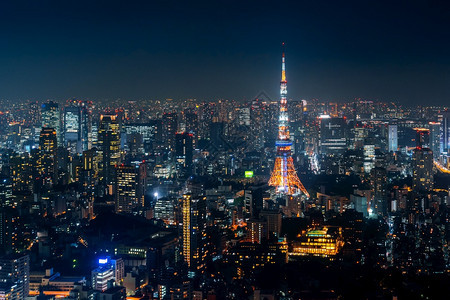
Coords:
336,50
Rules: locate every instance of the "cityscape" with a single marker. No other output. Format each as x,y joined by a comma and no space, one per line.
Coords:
273,196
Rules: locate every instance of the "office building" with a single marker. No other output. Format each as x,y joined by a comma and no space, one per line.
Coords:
392,138
422,165
184,153
50,117
435,138
126,188
194,234
72,129
108,148
15,272
170,127
47,157
333,139
378,181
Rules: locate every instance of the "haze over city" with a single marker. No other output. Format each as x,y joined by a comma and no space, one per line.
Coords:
380,50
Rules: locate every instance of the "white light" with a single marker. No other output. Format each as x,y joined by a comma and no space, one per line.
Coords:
156,195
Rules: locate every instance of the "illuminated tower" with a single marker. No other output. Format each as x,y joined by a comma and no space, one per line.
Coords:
284,177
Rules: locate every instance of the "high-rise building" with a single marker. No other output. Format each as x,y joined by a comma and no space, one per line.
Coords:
72,129
217,134
191,121
284,176
164,210
445,131
378,180
392,138
422,137
194,234
422,165
110,270
108,148
6,191
369,157
184,153
126,188
102,278
332,135
15,271
47,157
148,132
50,117
170,127
9,230
435,138
35,113
86,125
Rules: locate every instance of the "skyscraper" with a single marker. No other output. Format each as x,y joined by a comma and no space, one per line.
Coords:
126,188
194,234
332,135
50,117
47,157
284,176
170,127
422,165
392,138
15,271
108,148
183,153
378,181
72,129
445,131
435,138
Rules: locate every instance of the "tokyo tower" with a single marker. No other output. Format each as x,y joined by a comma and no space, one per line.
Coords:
284,177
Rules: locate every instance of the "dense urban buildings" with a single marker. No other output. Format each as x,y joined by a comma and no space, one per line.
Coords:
177,202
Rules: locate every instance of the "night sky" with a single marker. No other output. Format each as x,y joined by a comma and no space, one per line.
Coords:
336,50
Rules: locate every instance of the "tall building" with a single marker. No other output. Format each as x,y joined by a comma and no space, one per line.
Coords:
284,176
108,148
369,157
102,278
435,138
108,272
148,132
194,234
422,137
445,131
9,230
86,125
184,144
47,157
6,191
126,188
217,134
72,129
392,138
15,272
378,181
170,127
50,117
333,135
422,165
191,121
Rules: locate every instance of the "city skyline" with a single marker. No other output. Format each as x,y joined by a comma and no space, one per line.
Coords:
224,150
336,52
